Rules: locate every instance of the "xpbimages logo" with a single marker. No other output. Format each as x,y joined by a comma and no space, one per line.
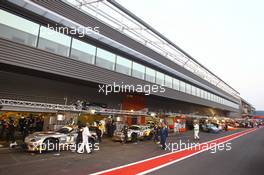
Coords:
80,31
213,147
147,89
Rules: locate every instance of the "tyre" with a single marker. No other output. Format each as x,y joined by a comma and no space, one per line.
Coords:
149,137
92,141
134,137
50,144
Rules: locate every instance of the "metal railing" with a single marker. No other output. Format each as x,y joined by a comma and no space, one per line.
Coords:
37,105
91,109
66,108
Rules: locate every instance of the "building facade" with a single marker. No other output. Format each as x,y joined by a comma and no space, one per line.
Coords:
44,58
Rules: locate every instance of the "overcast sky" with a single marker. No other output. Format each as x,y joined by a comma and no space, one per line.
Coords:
227,36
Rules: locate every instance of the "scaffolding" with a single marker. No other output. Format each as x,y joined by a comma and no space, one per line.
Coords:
35,106
67,108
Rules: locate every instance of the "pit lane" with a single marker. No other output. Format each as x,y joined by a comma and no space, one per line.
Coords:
111,154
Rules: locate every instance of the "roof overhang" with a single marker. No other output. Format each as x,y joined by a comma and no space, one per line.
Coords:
59,19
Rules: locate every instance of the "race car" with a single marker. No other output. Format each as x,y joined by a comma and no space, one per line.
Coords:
53,140
210,128
148,131
134,133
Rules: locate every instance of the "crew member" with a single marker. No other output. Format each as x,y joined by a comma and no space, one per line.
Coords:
125,132
85,143
163,135
156,134
11,133
196,130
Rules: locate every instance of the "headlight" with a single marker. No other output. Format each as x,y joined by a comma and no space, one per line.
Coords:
63,139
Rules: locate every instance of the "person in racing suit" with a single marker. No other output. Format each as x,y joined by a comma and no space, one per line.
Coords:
85,140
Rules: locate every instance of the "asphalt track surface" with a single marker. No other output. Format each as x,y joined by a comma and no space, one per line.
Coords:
246,157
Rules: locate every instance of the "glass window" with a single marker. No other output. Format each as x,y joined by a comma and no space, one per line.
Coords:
198,92
188,88
138,71
182,86
194,90
203,94
123,65
160,78
168,81
83,51
54,42
18,29
212,97
208,95
176,84
105,59
150,75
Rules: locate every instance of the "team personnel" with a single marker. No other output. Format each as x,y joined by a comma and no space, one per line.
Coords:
125,132
85,142
163,135
196,129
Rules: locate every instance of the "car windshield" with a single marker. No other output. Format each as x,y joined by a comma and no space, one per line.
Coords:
145,127
64,130
212,126
134,127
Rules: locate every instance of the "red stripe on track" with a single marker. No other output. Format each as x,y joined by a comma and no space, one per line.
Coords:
153,163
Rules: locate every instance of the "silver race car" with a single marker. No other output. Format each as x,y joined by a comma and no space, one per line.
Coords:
53,140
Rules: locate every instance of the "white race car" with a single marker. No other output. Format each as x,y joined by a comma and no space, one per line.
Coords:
53,140
134,132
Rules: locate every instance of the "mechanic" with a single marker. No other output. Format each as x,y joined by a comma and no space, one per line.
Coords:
11,133
176,127
101,128
79,136
24,129
125,131
156,133
85,143
196,130
99,133
4,128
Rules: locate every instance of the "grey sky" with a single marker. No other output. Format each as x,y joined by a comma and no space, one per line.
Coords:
227,36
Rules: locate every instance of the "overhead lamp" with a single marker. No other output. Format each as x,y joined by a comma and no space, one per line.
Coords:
60,117
152,114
